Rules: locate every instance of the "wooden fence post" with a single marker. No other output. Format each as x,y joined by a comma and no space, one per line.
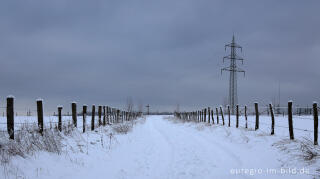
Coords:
118,115
217,113
84,115
203,115
107,114
60,118
272,119
237,116
212,117
257,115
113,114
290,120
10,116
315,118
40,115
99,114
229,115
104,116
122,115
110,116
222,115
197,116
74,113
93,113
246,116
209,115
128,116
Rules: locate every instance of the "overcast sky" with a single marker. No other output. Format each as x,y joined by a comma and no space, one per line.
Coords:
163,52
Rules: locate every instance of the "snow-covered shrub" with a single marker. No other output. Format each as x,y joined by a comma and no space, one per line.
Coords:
301,149
67,128
27,141
309,151
123,128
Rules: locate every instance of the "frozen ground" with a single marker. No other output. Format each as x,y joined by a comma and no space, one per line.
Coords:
163,147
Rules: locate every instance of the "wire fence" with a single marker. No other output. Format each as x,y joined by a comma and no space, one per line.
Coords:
100,116
304,116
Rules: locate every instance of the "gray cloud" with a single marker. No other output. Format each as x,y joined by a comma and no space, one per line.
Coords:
157,52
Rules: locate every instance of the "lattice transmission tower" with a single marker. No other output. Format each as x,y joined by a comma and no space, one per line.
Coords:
233,69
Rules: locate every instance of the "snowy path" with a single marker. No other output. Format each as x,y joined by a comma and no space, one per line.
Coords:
163,149
192,155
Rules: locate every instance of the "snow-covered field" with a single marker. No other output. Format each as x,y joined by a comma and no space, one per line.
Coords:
164,147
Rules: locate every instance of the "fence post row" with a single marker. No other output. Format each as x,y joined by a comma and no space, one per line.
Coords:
201,116
112,114
109,114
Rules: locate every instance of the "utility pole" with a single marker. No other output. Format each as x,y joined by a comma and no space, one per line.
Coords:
279,101
148,106
233,69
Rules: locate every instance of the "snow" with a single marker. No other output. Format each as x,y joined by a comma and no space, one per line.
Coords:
10,96
161,147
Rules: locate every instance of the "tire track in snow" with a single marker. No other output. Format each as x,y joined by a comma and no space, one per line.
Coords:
165,154
179,152
228,152
194,157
